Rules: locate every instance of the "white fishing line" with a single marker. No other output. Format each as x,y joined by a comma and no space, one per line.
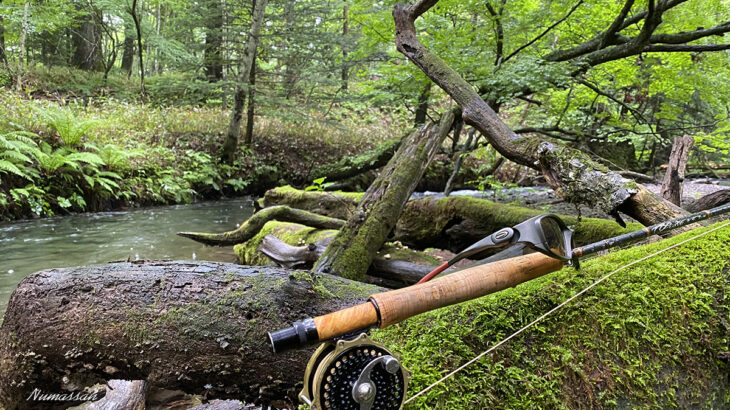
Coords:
594,284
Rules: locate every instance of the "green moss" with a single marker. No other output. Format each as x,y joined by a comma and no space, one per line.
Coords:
289,190
648,337
291,233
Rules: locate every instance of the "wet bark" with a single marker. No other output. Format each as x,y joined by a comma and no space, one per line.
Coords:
228,152
121,394
674,177
398,272
196,327
352,251
572,174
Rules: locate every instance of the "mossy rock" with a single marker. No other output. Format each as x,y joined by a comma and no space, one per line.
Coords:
647,337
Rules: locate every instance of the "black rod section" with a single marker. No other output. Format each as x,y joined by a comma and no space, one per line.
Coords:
648,231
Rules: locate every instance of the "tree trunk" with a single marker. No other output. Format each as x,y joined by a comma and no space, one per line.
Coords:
138,29
196,327
87,43
573,175
674,177
228,152
21,57
345,67
128,52
214,42
251,107
422,109
352,251
158,22
3,56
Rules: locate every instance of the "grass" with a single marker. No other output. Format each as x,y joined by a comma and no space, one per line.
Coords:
647,337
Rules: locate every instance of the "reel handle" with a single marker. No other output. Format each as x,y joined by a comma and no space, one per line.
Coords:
388,308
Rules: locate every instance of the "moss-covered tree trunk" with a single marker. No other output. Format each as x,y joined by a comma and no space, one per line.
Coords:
351,252
196,327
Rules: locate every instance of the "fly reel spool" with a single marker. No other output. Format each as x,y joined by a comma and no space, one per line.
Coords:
355,374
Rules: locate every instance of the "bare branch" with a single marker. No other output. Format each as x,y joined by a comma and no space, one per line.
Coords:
686,48
609,35
541,35
687,36
591,46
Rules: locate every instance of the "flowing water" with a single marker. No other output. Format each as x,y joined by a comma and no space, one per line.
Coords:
32,245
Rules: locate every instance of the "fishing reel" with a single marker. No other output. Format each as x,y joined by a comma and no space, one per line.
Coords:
355,374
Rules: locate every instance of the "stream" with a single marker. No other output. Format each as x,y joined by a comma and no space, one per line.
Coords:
84,239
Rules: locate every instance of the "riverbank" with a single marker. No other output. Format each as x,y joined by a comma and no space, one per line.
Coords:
62,155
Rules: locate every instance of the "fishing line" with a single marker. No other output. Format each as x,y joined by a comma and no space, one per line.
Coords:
591,286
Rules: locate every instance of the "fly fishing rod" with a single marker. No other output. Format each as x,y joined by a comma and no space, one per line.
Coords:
349,371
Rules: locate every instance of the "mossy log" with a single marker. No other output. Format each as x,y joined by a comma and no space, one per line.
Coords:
455,222
196,327
337,204
349,167
452,222
253,225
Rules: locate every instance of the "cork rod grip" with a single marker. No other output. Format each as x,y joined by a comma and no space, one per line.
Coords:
347,320
397,305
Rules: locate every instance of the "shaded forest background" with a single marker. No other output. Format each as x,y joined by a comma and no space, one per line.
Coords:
109,104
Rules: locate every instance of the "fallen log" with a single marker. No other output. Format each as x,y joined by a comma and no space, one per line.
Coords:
191,326
338,205
452,222
710,201
349,166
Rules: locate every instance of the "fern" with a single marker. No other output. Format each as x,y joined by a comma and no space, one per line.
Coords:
87,157
69,128
16,150
114,157
9,167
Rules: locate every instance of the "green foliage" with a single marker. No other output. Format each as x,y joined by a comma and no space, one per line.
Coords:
317,185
